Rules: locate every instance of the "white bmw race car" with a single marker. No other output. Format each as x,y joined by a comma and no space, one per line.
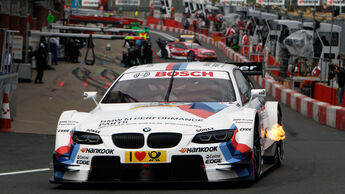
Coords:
171,122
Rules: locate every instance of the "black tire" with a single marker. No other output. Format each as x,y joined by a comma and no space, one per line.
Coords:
164,53
279,153
191,56
256,155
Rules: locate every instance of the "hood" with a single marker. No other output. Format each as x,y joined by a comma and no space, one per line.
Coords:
203,50
187,118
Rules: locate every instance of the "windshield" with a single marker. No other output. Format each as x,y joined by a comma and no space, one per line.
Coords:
161,86
193,45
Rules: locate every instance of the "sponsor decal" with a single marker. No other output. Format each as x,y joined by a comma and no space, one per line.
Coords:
97,151
113,122
81,157
92,131
141,74
243,121
213,161
212,156
122,121
213,65
63,130
245,129
204,130
185,74
83,162
145,156
64,123
199,149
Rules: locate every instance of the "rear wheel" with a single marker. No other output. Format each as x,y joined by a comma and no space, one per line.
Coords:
191,56
278,156
279,153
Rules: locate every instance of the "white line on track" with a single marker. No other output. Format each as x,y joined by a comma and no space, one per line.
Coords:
24,171
163,34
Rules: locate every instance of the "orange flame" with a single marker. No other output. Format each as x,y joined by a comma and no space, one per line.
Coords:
277,133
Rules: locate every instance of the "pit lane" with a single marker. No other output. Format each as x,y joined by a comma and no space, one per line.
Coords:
314,163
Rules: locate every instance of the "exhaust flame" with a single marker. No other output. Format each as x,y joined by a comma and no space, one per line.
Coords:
277,133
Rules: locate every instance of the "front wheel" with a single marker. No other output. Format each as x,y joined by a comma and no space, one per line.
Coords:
191,56
256,156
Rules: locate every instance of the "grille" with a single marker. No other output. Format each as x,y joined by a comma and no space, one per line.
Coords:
209,54
163,140
129,140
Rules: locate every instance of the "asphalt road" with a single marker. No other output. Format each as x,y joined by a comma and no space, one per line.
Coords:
314,163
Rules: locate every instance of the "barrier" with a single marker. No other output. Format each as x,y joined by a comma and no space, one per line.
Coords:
172,23
151,20
324,113
9,82
5,116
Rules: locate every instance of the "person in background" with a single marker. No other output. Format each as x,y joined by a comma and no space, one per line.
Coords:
41,62
340,71
186,24
54,45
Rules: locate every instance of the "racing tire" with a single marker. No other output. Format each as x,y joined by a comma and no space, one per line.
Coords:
191,56
279,152
165,54
256,155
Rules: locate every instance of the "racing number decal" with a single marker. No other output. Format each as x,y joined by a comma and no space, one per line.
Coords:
145,157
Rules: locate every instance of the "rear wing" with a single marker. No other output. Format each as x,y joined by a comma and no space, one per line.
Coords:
251,68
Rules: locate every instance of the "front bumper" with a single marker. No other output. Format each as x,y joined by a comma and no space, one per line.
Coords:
188,168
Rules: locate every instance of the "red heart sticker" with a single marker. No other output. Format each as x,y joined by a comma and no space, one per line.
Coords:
140,155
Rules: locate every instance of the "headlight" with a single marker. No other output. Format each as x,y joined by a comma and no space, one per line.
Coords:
86,138
213,136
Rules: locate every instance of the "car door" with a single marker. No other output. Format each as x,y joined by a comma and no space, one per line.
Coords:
173,49
181,49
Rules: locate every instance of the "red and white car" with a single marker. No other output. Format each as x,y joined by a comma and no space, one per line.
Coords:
190,51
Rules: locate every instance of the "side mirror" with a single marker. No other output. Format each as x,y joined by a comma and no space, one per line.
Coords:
90,95
257,93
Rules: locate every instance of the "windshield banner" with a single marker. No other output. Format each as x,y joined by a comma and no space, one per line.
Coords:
177,74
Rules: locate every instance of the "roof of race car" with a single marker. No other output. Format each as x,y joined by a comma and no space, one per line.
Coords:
208,66
185,35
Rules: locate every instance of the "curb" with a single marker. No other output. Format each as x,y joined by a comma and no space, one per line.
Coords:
324,113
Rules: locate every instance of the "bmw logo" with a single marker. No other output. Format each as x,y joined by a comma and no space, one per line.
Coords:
147,129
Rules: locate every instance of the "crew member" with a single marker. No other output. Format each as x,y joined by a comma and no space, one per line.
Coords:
341,82
41,62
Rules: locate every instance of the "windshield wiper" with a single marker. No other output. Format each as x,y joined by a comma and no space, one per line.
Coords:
169,88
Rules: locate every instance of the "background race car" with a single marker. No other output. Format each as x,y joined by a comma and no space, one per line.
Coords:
189,51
